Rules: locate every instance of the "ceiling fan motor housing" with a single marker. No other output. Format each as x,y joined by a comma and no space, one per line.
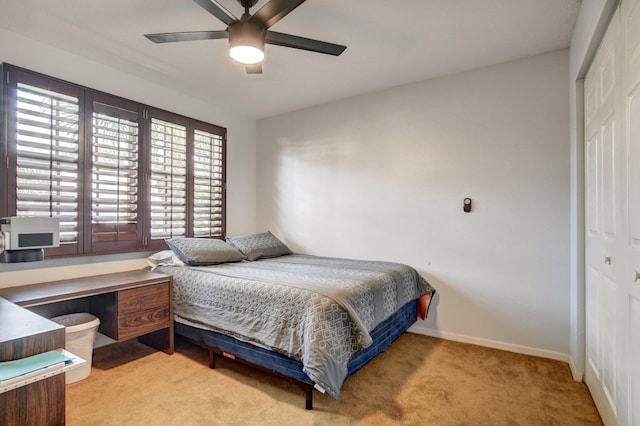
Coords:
246,42
246,34
247,3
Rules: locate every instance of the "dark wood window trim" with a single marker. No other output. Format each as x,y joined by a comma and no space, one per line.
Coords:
116,188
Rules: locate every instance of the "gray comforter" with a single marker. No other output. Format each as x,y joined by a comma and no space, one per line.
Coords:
317,310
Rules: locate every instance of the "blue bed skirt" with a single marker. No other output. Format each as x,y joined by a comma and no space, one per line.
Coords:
383,335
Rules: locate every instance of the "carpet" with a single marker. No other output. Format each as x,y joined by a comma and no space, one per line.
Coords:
418,380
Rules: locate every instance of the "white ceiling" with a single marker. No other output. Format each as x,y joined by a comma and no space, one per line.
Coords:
389,43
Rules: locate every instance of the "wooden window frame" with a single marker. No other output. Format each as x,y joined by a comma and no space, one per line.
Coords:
85,244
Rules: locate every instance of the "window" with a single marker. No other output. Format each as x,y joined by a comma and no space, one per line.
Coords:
115,176
121,176
168,179
186,178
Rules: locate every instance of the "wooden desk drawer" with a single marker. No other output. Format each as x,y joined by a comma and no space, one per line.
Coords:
135,311
143,298
138,323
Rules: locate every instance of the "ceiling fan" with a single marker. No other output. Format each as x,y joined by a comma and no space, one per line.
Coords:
248,35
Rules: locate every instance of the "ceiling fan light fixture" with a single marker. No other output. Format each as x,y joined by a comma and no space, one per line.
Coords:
247,55
246,42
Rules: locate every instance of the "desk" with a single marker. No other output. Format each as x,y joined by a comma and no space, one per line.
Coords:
129,304
23,334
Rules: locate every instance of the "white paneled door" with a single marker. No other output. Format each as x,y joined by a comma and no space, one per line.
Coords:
604,160
612,184
630,294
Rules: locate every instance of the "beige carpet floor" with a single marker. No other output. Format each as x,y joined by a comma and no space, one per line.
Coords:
419,380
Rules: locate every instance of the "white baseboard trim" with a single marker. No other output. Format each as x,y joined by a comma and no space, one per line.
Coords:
578,375
495,344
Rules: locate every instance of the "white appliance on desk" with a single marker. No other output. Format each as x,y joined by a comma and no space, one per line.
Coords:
24,238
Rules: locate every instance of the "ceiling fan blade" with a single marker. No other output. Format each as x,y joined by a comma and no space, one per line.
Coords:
274,11
186,36
288,40
254,69
217,10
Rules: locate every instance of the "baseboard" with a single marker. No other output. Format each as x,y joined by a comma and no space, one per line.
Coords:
578,375
510,347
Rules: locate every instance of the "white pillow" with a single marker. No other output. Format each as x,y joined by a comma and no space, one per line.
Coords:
164,258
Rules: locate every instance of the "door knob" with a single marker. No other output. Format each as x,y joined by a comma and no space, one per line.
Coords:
607,259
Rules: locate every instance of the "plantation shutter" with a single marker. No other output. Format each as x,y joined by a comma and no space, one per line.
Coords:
47,172
121,176
208,183
168,180
114,178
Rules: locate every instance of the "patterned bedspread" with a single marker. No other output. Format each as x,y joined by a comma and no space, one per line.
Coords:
317,310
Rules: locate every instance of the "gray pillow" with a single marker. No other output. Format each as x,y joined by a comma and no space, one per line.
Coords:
256,246
203,251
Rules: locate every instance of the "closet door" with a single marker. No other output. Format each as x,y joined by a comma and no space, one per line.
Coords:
604,236
612,182
630,291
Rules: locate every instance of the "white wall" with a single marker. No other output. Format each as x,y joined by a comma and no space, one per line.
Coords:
241,137
591,24
383,176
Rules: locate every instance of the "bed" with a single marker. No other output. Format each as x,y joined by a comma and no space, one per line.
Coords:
310,319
